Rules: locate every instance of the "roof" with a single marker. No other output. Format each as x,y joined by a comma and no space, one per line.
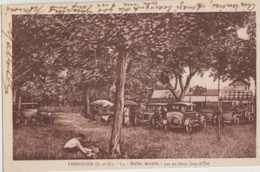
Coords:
182,103
241,82
166,94
207,92
162,94
157,104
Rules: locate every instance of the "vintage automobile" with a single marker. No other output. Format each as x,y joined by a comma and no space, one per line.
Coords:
237,116
209,114
147,117
182,115
29,114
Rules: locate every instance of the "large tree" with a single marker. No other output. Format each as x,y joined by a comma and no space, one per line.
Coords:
208,41
121,49
57,44
233,46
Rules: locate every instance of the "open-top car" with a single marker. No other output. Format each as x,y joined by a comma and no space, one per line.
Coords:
182,115
148,115
29,113
26,112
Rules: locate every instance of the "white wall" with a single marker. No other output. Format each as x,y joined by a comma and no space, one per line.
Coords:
201,98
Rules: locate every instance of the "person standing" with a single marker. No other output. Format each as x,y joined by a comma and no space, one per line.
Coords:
163,111
126,116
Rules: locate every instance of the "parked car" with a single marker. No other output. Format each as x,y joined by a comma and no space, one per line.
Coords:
29,113
237,115
182,115
209,114
147,116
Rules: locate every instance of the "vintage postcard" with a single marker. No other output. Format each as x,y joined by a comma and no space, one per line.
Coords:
130,85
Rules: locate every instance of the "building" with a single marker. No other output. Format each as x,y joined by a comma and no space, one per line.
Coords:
238,84
236,93
200,96
162,96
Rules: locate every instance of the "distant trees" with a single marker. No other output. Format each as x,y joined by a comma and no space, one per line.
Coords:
234,53
210,42
52,60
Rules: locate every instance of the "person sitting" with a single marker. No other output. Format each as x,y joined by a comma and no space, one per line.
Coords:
74,145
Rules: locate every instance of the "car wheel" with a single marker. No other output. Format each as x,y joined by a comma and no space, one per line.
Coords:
250,118
135,121
188,129
166,128
236,120
215,120
152,123
203,124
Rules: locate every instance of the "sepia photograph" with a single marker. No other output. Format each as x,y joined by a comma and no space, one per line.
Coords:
134,86
130,86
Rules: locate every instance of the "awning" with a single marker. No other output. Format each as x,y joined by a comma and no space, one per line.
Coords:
103,103
235,95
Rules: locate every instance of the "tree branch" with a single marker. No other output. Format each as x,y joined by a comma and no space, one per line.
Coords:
169,87
29,69
181,83
189,77
176,83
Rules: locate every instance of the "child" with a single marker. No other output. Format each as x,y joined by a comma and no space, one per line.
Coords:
92,151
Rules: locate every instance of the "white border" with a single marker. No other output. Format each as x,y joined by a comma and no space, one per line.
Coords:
231,169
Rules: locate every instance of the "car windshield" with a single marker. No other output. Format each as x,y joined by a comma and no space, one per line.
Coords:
189,109
174,108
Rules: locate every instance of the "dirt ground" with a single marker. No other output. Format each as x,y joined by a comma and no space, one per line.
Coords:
38,142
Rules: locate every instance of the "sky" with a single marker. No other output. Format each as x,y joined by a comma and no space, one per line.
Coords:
208,82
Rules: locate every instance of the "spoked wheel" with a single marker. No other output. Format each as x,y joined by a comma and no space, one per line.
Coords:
152,123
166,127
203,124
250,118
135,121
215,120
236,120
188,129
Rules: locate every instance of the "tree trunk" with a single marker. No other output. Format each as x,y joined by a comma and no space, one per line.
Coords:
15,95
254,99
182,95
87,103
119,104
16,111
176,97
19,104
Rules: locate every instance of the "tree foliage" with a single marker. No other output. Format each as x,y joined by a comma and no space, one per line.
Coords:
66,58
